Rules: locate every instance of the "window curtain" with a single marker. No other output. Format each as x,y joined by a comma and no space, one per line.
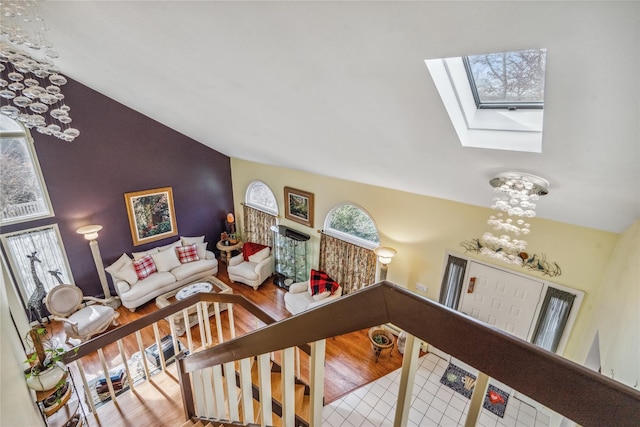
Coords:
257,226
353,266
551,323
452,282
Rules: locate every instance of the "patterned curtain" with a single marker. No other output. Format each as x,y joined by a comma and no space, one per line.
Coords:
353,266
257,226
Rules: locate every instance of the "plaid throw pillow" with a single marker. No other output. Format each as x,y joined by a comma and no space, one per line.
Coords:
321,282
144,267
187,253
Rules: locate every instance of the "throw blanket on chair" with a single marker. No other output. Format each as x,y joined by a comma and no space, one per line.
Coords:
251,248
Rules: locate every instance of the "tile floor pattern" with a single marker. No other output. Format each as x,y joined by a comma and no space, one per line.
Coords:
433,404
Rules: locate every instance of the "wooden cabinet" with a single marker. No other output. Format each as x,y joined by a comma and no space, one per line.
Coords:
290,253
61,406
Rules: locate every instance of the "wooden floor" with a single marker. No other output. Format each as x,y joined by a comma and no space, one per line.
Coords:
350,362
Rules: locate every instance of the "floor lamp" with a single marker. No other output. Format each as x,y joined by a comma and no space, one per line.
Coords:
384,254
90,232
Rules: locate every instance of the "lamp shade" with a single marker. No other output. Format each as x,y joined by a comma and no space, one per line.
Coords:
385,254
90,232
230,218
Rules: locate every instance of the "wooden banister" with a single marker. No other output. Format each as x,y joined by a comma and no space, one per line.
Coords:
566,387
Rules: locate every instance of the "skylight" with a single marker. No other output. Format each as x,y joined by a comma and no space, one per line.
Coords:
507,80
502,107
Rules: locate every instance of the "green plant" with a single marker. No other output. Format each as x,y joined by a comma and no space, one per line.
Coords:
45,351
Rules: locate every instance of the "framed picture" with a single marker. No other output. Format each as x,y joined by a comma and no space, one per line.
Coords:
298,206
151,215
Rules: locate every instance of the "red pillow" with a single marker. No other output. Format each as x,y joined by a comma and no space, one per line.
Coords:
321,282
187,253
251,248
144,267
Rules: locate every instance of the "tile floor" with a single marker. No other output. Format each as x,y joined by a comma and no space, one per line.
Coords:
433,404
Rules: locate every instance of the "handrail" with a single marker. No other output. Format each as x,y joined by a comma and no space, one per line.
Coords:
568,388
120,332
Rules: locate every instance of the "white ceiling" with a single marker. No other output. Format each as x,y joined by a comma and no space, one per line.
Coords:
341,89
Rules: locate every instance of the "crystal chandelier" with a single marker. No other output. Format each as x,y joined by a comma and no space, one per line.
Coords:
30,82
517,194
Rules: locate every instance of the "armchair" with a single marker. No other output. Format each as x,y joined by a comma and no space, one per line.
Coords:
299,298
64,302
255,270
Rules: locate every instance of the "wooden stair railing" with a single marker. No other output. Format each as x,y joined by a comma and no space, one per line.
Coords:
568,388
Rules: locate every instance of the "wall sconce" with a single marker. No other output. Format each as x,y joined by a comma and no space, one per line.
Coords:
385,255
90,232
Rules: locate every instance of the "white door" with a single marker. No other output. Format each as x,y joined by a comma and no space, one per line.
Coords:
501,299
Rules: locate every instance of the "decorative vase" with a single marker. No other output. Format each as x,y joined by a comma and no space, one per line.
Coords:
47,379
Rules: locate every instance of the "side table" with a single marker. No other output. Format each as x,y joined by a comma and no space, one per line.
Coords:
225,247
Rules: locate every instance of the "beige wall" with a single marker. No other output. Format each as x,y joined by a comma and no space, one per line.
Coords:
422,228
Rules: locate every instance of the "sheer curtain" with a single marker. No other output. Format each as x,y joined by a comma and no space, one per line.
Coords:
257,226
551,323
353,266
452,282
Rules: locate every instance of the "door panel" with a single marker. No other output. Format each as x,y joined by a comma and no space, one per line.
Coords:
501,299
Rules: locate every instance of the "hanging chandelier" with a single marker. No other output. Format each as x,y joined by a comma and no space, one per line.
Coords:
515,203
30,82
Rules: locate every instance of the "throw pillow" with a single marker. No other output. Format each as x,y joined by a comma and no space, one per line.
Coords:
202,250
188,253
320,282
251,248
144,267
260,256
166,260
123,269
138,255
186,241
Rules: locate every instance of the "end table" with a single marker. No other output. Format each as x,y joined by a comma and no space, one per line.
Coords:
225,247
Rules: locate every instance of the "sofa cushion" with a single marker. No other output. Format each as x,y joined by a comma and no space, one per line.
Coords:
123,269
320,282
297,303
260,256
251,248
166,260
188,253
202,250
246,269
185,270
144,267
138,255
185,241
90,319
150,285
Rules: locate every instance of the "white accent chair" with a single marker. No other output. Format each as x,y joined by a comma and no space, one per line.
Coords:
64,302
299,298
252,272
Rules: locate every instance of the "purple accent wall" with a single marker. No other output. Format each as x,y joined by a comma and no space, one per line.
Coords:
120,150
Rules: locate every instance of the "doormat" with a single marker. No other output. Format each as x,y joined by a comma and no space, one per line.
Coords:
463,382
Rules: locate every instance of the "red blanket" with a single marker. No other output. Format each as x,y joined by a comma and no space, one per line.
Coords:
251,248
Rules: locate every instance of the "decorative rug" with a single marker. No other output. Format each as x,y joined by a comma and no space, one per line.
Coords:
463,382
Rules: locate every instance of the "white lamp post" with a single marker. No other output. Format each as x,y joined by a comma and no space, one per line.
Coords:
90,232
384,254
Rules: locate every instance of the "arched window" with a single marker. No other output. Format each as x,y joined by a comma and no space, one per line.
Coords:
352,223
23,194
260,196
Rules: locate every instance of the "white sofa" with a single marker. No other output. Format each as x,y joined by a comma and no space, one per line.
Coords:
252,272
171,272
299,298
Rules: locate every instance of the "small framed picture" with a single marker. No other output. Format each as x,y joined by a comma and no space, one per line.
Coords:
151,215
298,206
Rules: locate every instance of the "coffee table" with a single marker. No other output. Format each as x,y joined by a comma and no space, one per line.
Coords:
206,284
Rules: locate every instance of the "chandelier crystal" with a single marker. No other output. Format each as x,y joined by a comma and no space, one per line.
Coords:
517,193
30,82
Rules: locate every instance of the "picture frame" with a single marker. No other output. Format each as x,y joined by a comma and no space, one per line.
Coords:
151,215
298,206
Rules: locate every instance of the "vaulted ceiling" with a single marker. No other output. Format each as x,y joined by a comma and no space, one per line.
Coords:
341,88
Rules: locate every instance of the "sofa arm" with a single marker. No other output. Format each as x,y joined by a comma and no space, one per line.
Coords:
122,287
297,288
209,255
238,259
264,268
323,301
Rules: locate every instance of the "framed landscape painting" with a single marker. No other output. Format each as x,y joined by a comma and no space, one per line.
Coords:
151,215
298,206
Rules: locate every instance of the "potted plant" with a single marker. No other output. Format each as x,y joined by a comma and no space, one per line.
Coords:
46,369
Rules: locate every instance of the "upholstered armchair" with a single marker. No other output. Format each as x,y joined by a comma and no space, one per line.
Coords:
318,290
64,302
252,271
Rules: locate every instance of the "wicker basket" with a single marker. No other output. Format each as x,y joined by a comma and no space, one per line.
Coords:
381,339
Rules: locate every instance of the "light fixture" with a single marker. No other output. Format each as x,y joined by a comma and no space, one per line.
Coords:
30,81
231,221
90,232
518,193
385,255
